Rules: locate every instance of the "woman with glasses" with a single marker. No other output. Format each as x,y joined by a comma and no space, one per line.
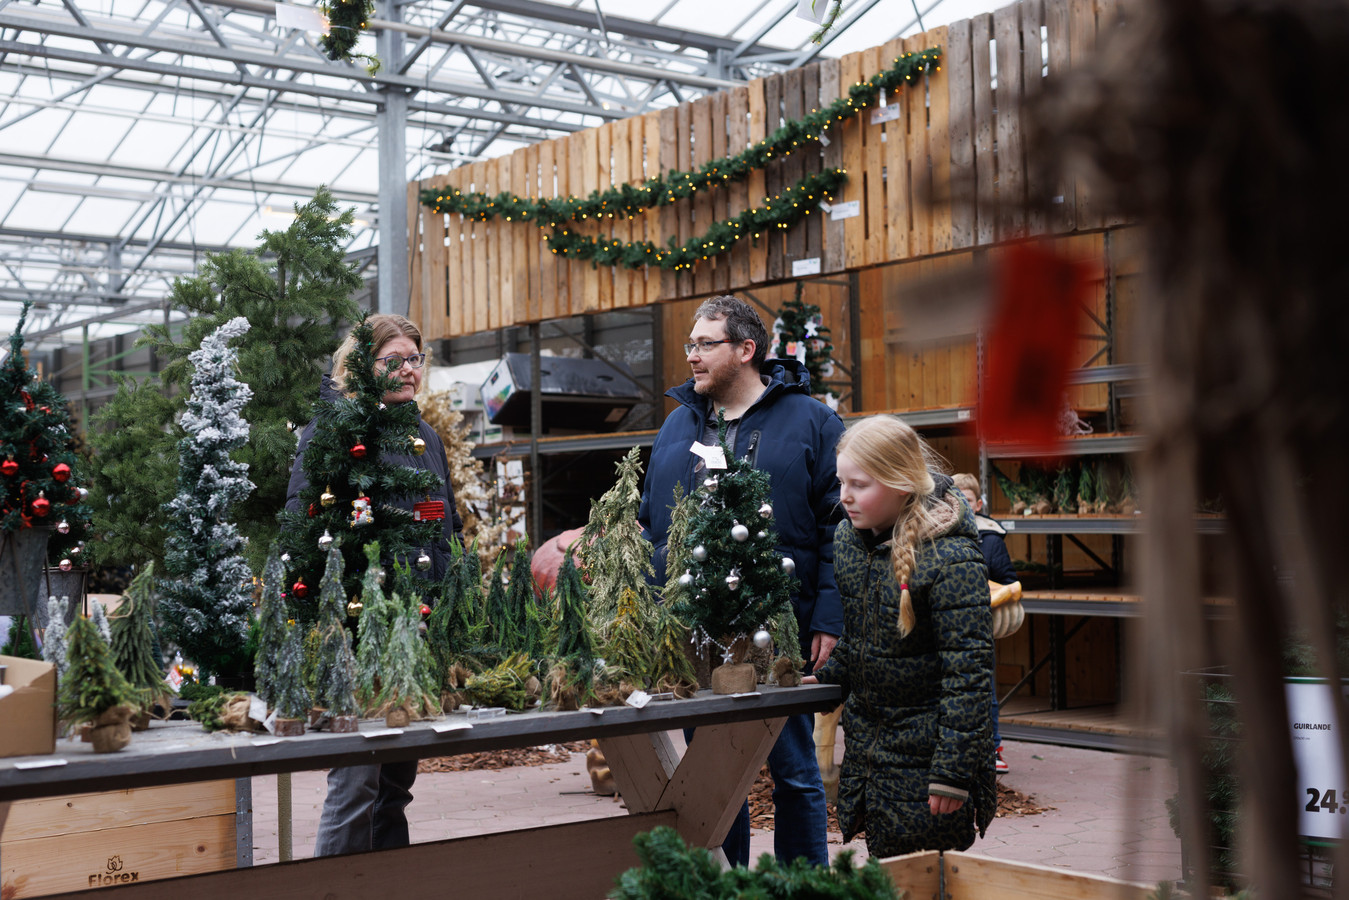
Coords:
364,806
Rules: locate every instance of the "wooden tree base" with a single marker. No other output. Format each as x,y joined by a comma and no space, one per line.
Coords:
289,727
343,724
734,678
397,718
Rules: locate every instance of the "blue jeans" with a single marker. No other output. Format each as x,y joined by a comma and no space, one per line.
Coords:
364,808
800,819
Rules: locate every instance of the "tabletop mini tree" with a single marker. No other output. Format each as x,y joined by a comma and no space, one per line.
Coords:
799,333
135,648
93,690
345,464
457,624
207,598
408,689
615,558
736,580
571,679
335,688
279,665
38,481
373,628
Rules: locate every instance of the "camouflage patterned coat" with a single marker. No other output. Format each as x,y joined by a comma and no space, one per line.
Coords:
917,710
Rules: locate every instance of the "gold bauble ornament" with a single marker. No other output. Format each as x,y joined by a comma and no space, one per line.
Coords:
418,446
328,498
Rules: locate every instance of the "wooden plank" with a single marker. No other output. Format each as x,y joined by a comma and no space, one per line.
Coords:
649,226
584,178
484,294
773,176
130,855
1081,46
831,229
718,768
503,245
573,860
533,242
641,765
794,166
737,194
757,183
684,208
877,392
1063,197
83,813
550,270
917,874
811,162
971,877
920,167
700,118
873,203
562,305
721,268
435,282
985,160
895,158
604,179
620,228
1011,152
416,304
956,65
459,282
668,157
1032,68
939,146
850,138
520,234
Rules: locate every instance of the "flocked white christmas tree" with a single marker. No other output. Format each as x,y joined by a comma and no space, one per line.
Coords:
206,600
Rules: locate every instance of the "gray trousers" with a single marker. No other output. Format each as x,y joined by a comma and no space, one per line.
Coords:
364,808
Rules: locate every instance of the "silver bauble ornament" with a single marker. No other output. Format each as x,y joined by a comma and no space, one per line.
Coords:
75,551
733,580
65,565
285,557
700,553
326,540
739,532
766,511
711,482
63,526
686,579
788,565
423,561
761,535
762,639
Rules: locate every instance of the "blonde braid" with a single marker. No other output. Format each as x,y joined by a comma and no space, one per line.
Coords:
904,540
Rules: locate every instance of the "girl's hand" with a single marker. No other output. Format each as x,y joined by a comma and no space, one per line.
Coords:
810,679
942,805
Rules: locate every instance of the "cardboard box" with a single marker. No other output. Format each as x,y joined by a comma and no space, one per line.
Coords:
28,716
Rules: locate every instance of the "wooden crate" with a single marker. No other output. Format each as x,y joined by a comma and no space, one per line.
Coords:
84,841
970,877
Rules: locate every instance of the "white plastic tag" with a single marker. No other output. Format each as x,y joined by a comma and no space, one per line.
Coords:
713,457
638,699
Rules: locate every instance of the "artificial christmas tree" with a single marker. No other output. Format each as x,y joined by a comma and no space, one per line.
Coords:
335,680
135,648
279,663
408,690
457,625
20,641
571,678
614,556
37,461
295,290
54,637
92,690
736,580
799,333
207,600
347,501
374,626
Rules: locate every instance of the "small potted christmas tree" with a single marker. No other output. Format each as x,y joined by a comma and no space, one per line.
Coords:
93,690
736,582
335,690
135,646
278,666
407,690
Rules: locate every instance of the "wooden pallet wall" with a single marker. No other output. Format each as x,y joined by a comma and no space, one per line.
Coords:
959,134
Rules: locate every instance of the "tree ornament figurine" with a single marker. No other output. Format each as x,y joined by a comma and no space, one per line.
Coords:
710,483
361,513
766,511
328,498
325,541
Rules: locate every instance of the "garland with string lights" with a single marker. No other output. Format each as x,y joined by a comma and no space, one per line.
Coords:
347,21
627,200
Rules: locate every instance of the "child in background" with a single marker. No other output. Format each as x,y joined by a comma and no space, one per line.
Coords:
916,654
999,569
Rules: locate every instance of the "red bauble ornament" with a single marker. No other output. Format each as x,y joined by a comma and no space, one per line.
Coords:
358,451
311,510
9,466
41,506
426,610
300,589
61,472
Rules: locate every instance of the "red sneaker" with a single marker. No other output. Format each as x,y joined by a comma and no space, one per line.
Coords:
999,765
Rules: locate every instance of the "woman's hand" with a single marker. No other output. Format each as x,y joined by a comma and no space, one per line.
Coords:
942,805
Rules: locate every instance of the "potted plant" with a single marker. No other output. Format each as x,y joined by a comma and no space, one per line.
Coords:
93,690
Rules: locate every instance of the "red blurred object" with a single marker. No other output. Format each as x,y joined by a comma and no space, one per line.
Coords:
61,472
426,610
41,506
427,510
1032,339
9,467
358,451
547,560
300,589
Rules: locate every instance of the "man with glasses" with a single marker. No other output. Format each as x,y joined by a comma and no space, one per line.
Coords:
775,423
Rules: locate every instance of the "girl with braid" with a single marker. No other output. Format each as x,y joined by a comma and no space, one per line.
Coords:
916,653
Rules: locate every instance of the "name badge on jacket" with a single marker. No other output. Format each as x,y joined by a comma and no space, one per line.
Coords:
428,510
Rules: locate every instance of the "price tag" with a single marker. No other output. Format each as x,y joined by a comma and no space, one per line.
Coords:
382,733
847,210
638,699
1323,794
885,114
1008,524
802,267
812,10
442,727
713,457
40,764
257,708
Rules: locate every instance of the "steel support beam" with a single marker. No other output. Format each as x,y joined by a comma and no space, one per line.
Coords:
393,197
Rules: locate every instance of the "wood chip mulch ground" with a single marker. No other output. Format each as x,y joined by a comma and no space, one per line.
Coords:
504,759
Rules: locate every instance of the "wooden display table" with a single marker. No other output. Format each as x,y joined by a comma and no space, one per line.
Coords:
698,794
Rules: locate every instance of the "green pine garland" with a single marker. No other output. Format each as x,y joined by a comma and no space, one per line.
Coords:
627,200
347,20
